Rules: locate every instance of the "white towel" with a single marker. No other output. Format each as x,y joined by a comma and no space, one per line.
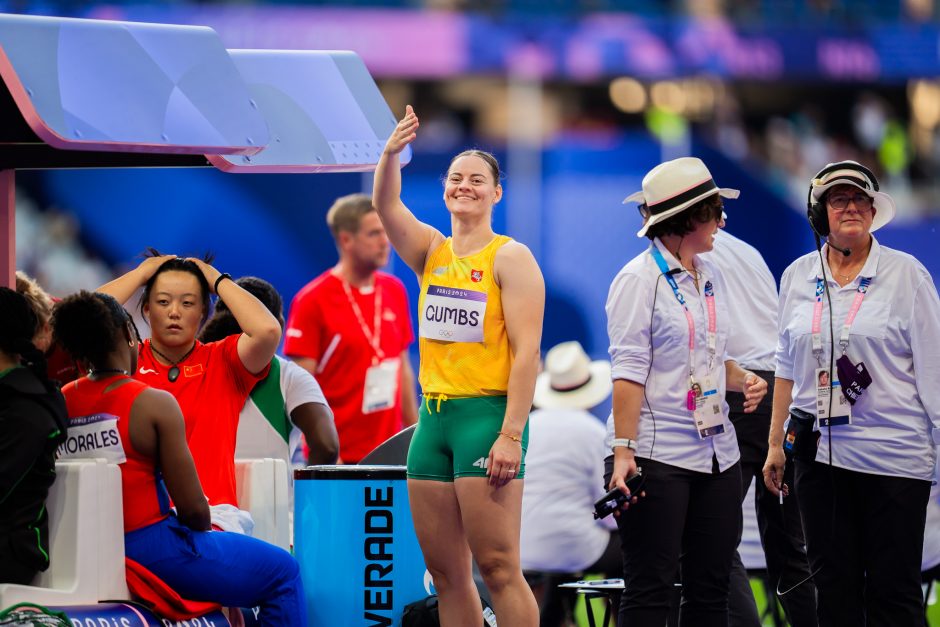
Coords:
229,518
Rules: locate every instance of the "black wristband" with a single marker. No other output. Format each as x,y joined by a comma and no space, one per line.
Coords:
224,275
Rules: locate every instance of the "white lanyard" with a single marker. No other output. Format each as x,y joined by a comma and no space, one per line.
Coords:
712,334
849,319
373,337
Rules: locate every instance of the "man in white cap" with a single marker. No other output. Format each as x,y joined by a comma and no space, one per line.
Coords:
565,476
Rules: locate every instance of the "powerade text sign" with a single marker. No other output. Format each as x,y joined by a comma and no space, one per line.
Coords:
358,553
379,555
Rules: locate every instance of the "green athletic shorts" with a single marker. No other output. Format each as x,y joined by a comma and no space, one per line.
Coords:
453,439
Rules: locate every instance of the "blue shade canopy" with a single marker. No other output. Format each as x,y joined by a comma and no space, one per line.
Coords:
323,108
94,85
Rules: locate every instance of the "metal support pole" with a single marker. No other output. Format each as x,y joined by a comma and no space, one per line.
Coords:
8,227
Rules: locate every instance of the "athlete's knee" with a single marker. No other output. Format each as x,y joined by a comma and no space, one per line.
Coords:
498,570
291,571
447,576
279,567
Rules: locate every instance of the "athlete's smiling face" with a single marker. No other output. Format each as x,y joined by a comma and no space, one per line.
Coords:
470,186
175,308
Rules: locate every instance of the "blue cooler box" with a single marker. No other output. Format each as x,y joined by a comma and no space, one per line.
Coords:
356,544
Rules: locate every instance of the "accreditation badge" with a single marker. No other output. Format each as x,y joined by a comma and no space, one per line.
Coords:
705,403
841,409
452,314
381,386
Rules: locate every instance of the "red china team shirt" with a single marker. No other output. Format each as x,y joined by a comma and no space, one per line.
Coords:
211,389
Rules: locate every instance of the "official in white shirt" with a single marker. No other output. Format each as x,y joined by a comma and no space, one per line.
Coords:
564,477
863,489
752,310
667,319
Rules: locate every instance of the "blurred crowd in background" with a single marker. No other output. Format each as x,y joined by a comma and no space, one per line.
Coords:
780,131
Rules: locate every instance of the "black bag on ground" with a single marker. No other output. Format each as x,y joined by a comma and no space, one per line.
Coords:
424,613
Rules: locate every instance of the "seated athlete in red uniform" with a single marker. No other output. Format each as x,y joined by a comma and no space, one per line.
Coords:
115,417
210,381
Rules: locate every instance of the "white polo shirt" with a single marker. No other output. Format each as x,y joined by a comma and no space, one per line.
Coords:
752,301
634,324
896,334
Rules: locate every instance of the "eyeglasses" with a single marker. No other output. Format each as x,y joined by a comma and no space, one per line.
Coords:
840,202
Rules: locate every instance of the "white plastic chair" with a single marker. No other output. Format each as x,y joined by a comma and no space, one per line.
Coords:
86,538
262,489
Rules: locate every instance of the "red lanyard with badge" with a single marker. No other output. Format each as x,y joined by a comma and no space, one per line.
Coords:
381,381
852,378
702,398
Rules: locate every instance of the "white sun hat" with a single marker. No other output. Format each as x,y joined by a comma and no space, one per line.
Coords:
571,380
673,186
859,176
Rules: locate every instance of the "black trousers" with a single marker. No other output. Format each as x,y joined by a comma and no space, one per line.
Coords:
12,569
865,535
688,523
781,530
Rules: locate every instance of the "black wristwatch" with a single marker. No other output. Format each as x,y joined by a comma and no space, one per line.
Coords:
224,275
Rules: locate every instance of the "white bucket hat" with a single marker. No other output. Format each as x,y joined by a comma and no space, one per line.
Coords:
571,380
673,186
861,178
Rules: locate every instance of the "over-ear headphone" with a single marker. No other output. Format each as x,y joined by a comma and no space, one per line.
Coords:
816,211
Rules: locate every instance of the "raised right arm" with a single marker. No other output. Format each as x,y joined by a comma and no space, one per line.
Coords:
123,287
413,240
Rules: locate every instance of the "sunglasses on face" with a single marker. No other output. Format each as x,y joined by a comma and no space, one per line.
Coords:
840,202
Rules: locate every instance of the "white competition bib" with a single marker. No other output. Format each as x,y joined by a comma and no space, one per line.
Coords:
452,314
381,386
841,409
93,436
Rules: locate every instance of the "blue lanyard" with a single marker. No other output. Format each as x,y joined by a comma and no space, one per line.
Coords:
664,268
712,335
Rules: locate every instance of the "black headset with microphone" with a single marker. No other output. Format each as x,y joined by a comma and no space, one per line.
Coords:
819,222
816,211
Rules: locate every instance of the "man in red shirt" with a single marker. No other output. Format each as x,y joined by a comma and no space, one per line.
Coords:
350,328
